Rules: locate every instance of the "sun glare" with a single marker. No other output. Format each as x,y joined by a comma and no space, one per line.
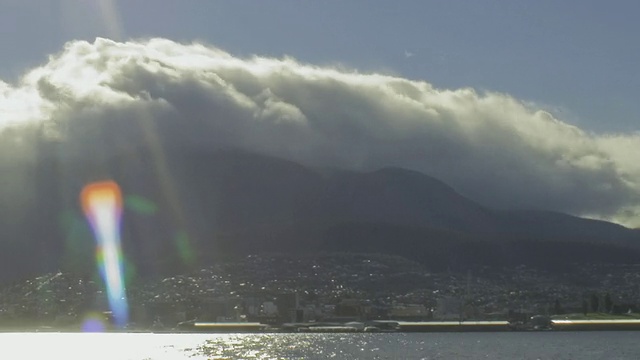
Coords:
102,205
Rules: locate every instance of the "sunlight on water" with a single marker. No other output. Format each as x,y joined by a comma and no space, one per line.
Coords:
304,346
100,346
499,346
102,205
103,346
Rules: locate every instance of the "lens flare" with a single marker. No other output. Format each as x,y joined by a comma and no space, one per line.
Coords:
140,205
185,250
102,205
93,322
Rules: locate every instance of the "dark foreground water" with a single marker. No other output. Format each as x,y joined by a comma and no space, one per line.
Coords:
523,345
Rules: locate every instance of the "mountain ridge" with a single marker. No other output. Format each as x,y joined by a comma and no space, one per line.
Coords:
229,202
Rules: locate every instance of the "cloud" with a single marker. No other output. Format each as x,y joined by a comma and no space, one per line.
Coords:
104,96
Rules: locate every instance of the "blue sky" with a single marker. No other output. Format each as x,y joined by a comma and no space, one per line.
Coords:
578,60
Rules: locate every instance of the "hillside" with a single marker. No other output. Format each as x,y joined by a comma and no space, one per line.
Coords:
208,205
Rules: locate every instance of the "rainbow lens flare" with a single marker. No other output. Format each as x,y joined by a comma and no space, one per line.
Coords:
93,322
102,205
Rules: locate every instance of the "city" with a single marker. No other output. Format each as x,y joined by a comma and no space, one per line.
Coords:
331,288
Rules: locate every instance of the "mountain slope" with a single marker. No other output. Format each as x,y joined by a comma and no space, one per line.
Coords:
209,205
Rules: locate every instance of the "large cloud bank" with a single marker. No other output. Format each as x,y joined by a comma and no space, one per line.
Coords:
104,96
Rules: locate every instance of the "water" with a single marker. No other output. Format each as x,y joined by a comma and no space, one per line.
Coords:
523,345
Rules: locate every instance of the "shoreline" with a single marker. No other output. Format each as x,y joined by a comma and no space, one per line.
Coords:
306,328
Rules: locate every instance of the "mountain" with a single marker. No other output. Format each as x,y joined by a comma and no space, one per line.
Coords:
401,197
186,207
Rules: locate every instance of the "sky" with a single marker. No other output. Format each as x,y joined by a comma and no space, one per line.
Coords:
578,61
517,104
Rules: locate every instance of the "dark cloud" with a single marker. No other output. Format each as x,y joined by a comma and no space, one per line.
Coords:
104,96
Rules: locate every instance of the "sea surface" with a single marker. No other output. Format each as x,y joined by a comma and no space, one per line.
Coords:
499,345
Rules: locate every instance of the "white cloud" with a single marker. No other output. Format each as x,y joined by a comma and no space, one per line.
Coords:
494,148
